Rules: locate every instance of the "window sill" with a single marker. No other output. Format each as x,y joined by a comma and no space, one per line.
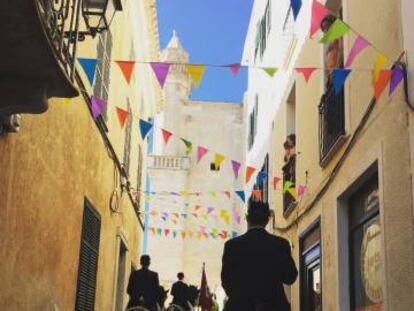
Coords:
289,209
335,147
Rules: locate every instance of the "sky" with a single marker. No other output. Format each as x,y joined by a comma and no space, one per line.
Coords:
213,32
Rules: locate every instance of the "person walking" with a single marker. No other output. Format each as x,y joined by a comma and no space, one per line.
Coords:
144,286
256,265
180,292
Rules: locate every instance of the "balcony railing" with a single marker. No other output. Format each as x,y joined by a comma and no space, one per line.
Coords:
168,162
289,175
331,121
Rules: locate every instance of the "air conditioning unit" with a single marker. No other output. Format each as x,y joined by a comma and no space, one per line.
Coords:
10,124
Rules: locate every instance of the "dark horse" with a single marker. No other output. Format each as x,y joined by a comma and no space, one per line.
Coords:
193,294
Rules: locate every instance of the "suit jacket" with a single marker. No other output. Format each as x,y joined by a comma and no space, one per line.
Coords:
143,283
179,291
255,267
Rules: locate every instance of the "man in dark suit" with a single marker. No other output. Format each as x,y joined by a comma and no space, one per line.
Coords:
144,286
179,291
256,265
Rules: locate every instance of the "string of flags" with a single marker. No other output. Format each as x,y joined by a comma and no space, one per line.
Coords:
203,233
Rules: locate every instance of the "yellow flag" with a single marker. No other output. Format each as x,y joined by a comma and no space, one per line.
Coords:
196,72
218,159
184,193
292,192
380,63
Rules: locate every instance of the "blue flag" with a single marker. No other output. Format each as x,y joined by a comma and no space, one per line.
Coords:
145,127
241,195
89,66
339,78
296,6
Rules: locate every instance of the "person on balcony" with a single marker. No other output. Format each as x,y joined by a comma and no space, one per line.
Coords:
334,51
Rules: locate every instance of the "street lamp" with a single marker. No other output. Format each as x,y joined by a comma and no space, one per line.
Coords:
98,14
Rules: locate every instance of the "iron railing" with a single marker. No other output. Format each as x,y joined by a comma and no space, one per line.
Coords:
331,121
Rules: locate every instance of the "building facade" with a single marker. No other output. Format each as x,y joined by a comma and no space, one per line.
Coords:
198,186
70,222
351,231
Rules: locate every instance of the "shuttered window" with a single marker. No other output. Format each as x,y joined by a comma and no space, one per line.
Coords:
88,259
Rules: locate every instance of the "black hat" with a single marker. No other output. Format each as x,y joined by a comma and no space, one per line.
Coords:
258,208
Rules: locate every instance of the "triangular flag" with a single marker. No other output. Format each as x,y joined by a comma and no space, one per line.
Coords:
166,232
144,127
249,172
210,210
166,135
174,234
339,78
183,234
126,67
307,72
196,72
359,44
184,193
292,192
159,231
234,234
201,152
397,76
97,106
287,185
270,70
89,67
380,63
213,194
275,182
218,159
301,190
337,30
261,177
296,5
234,69
161,72
382,81
122,116
188,145
236,167
257,194
319,11
228,194
241,195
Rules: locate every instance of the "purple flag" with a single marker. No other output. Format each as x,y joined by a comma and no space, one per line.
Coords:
359,44
97,106
161,72
236,168
210,209
397,76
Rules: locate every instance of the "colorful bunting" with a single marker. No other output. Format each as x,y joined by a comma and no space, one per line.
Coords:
97,106
196,72
275,182
201,152
396,78
228,194
296,5
188,145
359,44
339,78
234,69
301,190
270,70
161,71
319,11
166,135
249,172
126,67
257,194
287,185
307,72
144,127
89,67
261,177
218,159
337,30
236,167
381,62
241,195
122,116
381,83
292,192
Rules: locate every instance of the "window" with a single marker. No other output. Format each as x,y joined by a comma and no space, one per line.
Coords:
88,259
263,30
291,111
120,280
127,142
102,78
365,248
253,123
310,269
332,105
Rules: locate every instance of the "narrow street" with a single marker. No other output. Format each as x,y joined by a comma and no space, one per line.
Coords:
181,155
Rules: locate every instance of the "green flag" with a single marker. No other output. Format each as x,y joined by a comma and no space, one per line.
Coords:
337,30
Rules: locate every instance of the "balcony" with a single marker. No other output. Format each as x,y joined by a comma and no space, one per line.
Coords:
331,123
169,163
289,175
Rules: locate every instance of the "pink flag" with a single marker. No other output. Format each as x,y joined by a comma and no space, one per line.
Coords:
236,168
166,135
161,72
307,72
359,44
301,190
201,152
97,106
234,69
319,11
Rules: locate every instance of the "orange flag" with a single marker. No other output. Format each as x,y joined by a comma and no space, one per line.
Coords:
249,172
126,67
122,116
166,135
257,194
383,79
